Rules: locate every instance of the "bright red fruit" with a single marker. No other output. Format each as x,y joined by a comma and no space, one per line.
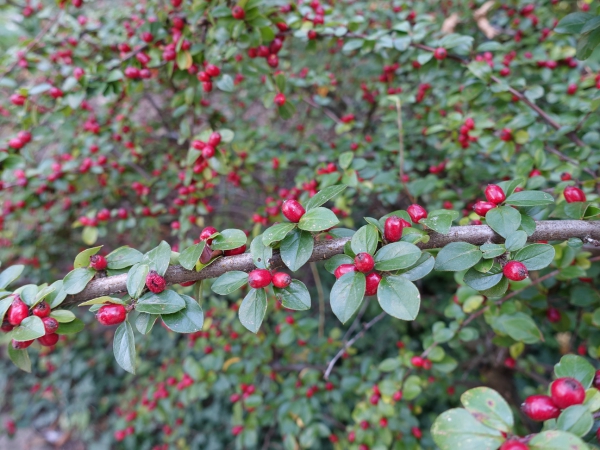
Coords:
417,361
48,340
373,280
292,210
540,408
42,309
111,314
212,70
482,208
214,139
155,282
364,262
440,53
206,233
279,99
416,212
281,280
20,345
567,392
393,228
494,194
343,269
50,325
574,194
98,262
238,12
515,271
513,445
553,315
17,312
235,251
259,278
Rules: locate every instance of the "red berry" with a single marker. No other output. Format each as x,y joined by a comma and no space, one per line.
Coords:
238,12
513,445
6,327
567,392
235,251
482,208
206,233
50,325
48,340
571,89
155,282
259,278
98,262
42,309
214,139
20,345
111,314
515,271
440,53
292,210
17,312
281,280
534,173
212,71
494,194
397,396
132,72
416,213
416,432
393,228
373,280
574,194
506,134
343,269
565,176
540,408
279,99
553,315
417,361
364,262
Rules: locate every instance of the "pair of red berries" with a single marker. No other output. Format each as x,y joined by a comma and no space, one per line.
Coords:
23,138
209,147
564,392
494,195
261,278
206,76
363,262
19,311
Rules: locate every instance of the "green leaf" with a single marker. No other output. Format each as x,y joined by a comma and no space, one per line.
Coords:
89,235
286,111
576,419
20,358
458,429
72,327
190,256
481,281
556,440
10,274
188,320
516,240
529,198
144,322
504,220
591,25
457,256
573,23
166,302
365,240
295,296
347,294
124,347
520,327
345,160
252,310
399,297
481,70
123,257
396,256
492,250
337,260
535,256
498,290
229,282
296,249
63,315
83,258
440,223
489,408
318,219
77,280
324,195
261,253
229,239
574,366
136,279
277,232
226,83
28,293
158,258
421,268
352,44
32,327
4,305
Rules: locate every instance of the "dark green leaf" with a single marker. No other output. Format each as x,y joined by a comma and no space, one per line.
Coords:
277,232
188,320
166,302
31,327
190,256
365,240
136,279
520,327
229,282
324,195
318,219
535,256
492,250
261,253
440,223
72,327
396,256
123,257
529,198
253,308
576,419
399,297
77,280
504,220
574,366
421,268
457,256
158,258
573,23
347,294
10,274
63,315
489,408
83,258
144,322
482,281
295,296
124,347
296,249
516,241
556,440
458,429
20,358
226,83
229,239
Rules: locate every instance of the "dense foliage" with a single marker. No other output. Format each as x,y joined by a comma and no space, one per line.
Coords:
315,224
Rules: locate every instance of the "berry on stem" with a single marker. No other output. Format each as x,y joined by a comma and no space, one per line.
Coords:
567,392
393,228
343,269
372,283
207,233
98,262
440,53
482,208
515,271
17,312
364,262
42,309
416,212
513,445
281,280
111,314
574,194
155,282
259,278
540,408
48,340
494,194
292,210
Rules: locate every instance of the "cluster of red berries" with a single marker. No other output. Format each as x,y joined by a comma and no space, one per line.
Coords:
494,196
210,71
22,139
388,73
269,52
463,137
261,278
209,147
19,311
422,91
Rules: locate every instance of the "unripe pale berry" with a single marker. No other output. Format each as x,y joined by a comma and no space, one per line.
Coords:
292,210
111,314
155,282
98,262
494,194
48,340
372,283
416,213
540,408
393,228
515,271
574,194
343,269
482,208
567,392
364,262
281,280
42,309
259,278
17,312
